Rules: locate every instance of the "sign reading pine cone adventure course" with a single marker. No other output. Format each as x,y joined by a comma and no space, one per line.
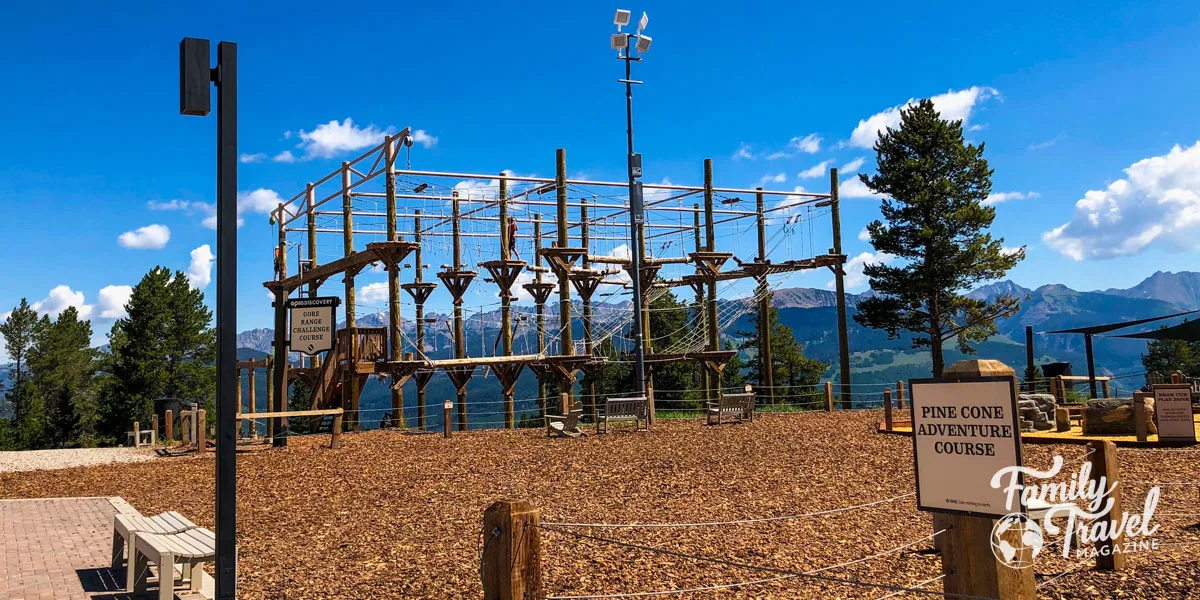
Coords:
313,323
964,431
1173,412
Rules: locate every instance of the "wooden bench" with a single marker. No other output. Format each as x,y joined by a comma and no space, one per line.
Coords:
565,425
188,549
738,407
335,429
624,409
126,527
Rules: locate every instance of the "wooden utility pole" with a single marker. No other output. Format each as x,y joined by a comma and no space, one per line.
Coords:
311,197
710,243
566,345
349,378
1030,383
1091,364
701,310
541,306
420,316
511,561
460,341
766,364
840,285
395,350
506,332
587,308
251,408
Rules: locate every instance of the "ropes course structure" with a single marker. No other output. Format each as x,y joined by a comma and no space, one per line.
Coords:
531,237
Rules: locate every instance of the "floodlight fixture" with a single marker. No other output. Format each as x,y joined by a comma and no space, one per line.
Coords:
620,41
643,22
643,43
622,18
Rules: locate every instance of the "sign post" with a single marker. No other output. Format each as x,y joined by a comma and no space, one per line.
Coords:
1173,412
965,429
313,324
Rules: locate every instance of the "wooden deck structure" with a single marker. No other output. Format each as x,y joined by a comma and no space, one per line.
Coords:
588,216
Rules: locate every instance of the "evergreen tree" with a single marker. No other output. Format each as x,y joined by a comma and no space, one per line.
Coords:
935,223
1168,356
62,372
164,348
299,399
734,377
28,420
793,373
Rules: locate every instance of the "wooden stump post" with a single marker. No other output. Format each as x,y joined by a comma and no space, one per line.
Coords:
900,394
511,560
154,426
170,426
1103,456
1062,419
887,409
1140,427
565,402
828,396
335,440
201,432
1104,387
137,434
446,408
970,566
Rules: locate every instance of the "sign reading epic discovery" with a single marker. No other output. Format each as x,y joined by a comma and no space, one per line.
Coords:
964,431
313,323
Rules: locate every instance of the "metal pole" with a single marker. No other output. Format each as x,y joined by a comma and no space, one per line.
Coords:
1030,380
636,218
226,476
1091,363
840,284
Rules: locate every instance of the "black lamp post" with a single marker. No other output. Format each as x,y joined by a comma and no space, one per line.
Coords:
194,97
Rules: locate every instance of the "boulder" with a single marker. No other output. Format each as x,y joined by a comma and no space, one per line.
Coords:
1113,416
1036,411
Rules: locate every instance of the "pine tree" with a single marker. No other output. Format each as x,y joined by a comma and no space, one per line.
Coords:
935,224
1168,356
793,373
163,348
28,425
62,373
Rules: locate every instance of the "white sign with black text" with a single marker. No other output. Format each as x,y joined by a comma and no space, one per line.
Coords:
964,431
1173,413
313,323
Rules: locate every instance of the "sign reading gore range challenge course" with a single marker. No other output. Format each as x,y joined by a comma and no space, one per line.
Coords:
964,431
313,323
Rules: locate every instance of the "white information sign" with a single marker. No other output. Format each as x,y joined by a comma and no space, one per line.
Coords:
313,323
1173,413
964,431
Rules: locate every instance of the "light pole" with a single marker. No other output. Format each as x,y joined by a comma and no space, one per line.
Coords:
625,44
194,98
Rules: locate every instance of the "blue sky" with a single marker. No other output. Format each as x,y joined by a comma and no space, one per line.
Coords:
1066,100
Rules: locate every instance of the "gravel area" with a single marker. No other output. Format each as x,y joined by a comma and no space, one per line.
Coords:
398,516
39,460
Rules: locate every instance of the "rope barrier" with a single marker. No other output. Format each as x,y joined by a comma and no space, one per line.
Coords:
919,584
738,522
729,563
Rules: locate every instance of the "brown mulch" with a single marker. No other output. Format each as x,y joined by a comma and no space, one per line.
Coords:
393,515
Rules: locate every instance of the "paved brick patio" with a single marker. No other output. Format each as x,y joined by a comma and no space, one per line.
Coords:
58,548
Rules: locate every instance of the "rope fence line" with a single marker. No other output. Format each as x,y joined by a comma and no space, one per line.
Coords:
919,584
724,523
813,575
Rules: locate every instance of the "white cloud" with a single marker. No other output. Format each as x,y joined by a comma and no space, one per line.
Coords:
743,152
423,138
852,166
59,299
1011,249
199,271
329,139
855,278
373,294
1158,202
112,301
168,205
809,144
150,237
284,157
995,198
864,235
776,178
816,170
252,158
261,201
855,188
953,106
1046,144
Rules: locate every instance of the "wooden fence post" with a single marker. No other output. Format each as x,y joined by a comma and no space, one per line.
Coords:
511,560
828,396
170,426
887,409
447,407
201,432
1104,387
1103,456
1140,428
335,440
564,401
153,427
900,394
137,434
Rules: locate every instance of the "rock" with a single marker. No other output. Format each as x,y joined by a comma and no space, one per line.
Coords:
1114,416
